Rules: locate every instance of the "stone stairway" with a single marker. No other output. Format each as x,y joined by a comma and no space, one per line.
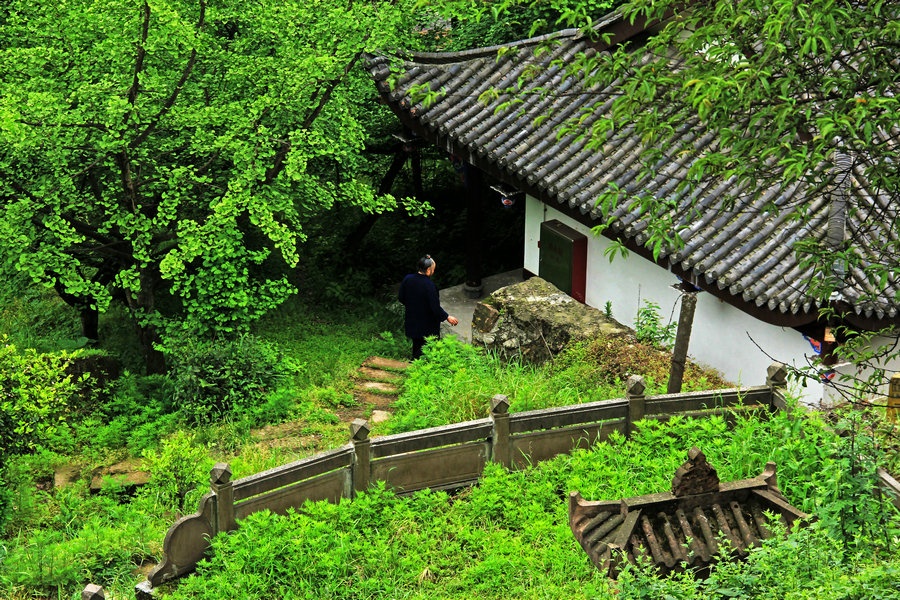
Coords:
376,386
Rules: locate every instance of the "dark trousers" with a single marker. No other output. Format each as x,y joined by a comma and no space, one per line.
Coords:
417,347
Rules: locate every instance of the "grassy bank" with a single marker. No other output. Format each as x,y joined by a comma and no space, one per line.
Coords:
294,384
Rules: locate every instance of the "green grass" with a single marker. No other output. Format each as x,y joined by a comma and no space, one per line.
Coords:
54,541
508,537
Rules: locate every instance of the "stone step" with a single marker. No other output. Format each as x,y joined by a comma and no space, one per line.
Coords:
373,374
127,474
378,387
386,364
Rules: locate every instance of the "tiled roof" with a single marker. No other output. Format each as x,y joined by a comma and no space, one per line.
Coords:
699,521
745,256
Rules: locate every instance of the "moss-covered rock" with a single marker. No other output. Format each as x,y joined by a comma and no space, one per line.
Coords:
535,321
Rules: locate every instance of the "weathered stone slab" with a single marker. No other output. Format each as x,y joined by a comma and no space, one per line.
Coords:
534,321
379,416
64,475
378,374
380,362
126,474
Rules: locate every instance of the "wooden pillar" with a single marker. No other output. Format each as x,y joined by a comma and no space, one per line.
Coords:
475,191
362,452
893,403
634,393
500,447
220,483
682,339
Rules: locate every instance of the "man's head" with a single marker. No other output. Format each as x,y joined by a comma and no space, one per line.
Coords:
426,265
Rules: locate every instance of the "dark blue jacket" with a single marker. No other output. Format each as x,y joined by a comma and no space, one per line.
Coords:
423,306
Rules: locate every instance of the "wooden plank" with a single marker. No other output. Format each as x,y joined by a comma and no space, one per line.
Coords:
330,486
291,473
435,437
442,468
549,418
531,448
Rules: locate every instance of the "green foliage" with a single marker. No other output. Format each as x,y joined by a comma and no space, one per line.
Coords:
449,369
7,497
508,537
212,378
35,396
455,381
174,157
180,467
89,538
138,412
649,328
485,23
34,317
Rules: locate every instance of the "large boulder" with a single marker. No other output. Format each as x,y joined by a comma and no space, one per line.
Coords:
534,321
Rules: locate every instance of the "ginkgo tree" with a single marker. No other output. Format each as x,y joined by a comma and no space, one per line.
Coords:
166,153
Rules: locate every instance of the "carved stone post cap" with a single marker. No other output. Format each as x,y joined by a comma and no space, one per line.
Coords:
696,476
92,591
776,374
500,404
635,385
359,430
220,473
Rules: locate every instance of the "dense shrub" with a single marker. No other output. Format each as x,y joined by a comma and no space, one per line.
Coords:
136,413
35,395
456,381
212,378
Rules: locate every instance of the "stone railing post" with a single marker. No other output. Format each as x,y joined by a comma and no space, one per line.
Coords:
92,591
500,447
362,453
776,379
634,393
221,486
893,402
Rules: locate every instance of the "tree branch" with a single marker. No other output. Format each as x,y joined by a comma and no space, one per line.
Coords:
139,59
323,97
170,101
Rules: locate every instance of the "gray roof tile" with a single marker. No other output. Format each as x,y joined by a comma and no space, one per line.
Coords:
745,252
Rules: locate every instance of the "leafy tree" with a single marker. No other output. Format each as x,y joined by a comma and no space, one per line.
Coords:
801,95
485,23
166,153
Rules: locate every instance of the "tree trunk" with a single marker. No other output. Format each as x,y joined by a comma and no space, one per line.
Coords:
355,239
89,316
416,162
682,339
90,323
141,305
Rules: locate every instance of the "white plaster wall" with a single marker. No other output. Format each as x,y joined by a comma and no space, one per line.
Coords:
890,366
723,337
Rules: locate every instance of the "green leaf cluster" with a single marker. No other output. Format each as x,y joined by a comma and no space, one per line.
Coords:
36,396
167,154
214,379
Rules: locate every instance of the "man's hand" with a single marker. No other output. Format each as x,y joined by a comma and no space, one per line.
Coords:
452,320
